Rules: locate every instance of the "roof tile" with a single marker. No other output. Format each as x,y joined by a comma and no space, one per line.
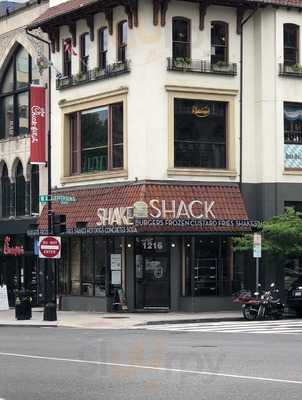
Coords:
228,203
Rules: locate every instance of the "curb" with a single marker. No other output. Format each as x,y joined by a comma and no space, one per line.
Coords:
191,321
195,320
24,325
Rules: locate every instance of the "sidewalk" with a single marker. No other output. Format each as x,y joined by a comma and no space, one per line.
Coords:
93,320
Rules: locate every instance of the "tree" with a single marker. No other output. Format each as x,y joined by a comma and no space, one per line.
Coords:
281,236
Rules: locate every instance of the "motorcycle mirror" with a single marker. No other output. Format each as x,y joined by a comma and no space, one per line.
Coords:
256,293
273,284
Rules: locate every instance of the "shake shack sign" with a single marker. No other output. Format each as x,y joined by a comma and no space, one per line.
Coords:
156,210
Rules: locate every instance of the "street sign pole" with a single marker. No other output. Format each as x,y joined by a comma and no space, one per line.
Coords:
257,273
257,254
50,310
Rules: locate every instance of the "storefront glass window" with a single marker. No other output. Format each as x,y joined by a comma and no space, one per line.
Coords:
87,266
63,268
208,267
87,262
100,266
199,134
75,266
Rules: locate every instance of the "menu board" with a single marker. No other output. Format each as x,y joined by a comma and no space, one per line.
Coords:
116,267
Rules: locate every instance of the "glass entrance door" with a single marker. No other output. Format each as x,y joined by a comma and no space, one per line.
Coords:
152,277
156,282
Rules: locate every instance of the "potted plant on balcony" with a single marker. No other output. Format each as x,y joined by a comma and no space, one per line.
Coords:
182,63
118,66
98,72
81,76
222,66
296,68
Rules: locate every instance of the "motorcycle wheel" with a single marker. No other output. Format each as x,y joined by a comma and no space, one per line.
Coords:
261,312
248,314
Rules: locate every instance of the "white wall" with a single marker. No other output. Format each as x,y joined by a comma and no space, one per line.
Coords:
148,48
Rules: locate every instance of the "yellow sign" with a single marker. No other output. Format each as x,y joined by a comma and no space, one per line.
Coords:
201,112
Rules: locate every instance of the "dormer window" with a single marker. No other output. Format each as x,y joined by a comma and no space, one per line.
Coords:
122,39
181,38
219,42
291,44
84,52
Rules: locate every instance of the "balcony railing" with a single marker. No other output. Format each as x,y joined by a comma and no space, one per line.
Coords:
201,66
92,75
290,70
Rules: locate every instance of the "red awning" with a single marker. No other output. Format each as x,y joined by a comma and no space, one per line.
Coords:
167,207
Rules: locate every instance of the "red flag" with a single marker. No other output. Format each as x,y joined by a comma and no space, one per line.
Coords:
37,125
68,48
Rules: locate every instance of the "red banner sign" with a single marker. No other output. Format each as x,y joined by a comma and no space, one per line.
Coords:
37,125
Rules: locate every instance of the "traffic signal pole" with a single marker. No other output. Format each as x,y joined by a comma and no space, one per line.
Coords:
50,301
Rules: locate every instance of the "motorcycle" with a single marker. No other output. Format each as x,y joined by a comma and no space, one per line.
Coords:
260,305
270,305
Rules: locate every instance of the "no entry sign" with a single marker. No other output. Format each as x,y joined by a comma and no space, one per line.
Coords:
49,247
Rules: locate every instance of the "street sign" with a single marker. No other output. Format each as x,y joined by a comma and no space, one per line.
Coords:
49,247
257,245
57,197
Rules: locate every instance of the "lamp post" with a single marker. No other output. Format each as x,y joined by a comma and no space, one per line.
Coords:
50,306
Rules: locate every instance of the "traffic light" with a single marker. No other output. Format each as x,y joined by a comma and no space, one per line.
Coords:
59,223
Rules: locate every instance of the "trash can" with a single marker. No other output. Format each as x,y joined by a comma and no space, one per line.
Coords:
23,305
50,312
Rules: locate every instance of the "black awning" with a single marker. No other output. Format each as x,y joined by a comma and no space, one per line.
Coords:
16,226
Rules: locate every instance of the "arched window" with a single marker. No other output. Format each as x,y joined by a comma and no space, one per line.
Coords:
20,190
291,44
181,38
5,192
34,189
219,42
14,94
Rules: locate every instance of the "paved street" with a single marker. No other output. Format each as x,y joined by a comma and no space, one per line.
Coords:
284,327
77,364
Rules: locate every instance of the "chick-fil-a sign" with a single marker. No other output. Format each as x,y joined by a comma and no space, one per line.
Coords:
11,251
37,125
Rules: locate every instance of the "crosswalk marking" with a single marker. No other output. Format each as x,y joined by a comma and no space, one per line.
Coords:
284,327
